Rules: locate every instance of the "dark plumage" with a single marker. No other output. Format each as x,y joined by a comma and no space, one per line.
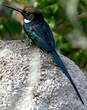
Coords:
38,30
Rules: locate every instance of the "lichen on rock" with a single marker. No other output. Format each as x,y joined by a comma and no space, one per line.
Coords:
30,79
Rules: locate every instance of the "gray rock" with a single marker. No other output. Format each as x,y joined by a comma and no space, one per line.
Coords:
30,80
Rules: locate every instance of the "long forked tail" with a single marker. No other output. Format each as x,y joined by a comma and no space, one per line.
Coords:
63,68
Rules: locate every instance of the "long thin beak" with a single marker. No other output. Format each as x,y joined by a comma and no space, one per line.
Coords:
13,8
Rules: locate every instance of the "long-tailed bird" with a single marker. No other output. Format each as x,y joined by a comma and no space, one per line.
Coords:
39,31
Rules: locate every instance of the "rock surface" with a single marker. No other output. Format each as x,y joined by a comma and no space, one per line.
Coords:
30,80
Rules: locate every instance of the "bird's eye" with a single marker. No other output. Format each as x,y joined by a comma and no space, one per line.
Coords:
31,17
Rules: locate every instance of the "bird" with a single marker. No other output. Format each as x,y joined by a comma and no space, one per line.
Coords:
40,33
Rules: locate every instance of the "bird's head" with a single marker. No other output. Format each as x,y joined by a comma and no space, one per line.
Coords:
29,13
32,14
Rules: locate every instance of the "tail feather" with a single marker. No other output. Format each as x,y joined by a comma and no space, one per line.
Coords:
63,68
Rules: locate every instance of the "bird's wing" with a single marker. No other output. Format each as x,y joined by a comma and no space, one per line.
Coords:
44,36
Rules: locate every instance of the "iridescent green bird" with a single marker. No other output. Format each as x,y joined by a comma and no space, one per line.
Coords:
38,30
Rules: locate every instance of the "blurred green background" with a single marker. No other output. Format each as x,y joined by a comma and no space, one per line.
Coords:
67,19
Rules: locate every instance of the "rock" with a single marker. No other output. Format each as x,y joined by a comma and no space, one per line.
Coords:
30,79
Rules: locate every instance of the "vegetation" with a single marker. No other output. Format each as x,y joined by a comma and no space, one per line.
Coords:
67,19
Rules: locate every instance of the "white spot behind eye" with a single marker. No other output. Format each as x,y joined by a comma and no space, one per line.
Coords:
27,21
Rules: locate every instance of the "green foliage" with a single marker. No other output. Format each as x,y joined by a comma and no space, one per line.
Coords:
60,16
9,28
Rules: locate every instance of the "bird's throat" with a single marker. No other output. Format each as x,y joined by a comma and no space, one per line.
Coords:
27,21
